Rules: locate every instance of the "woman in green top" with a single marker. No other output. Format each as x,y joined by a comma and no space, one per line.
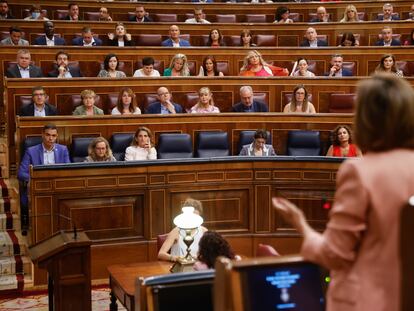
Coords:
88,108
178,67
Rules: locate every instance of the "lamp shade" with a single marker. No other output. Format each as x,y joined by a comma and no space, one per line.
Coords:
188,219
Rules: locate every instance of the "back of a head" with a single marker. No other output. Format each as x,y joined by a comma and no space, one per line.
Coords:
198,206
384,118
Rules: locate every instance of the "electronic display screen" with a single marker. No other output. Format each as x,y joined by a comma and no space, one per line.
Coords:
287,286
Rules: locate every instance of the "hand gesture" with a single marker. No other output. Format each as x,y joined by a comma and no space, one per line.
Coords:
290,213
170,107
128,36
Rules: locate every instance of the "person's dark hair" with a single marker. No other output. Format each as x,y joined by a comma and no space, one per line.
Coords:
334,137
61,53
141,128
211,246
348,36
210,57
220,39
49,126
70,5
133,104
260,133
14,29
37,88
381,67
107,59
280,11
384,113
148,60
246,33
411,39
35,7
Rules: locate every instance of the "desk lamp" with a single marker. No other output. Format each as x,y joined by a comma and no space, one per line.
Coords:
187,221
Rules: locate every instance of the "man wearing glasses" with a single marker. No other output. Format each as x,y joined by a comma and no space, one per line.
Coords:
39,107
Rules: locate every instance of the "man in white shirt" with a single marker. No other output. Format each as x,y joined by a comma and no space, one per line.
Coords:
174,39
311,39
23,68
147,69
49,38
87,38
198,18
39,107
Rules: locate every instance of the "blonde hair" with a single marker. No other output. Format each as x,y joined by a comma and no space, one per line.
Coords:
250,54
92,146
184,71
208,91
345,19
87,93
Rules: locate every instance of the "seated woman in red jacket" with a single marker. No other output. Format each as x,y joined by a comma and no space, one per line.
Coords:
255,66
342,143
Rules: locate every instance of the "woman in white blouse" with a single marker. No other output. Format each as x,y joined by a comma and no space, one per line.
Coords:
127,103
141,147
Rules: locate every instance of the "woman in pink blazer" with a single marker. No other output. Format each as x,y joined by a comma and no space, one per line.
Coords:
360,243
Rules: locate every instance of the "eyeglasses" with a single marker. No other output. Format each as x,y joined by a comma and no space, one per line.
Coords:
39,94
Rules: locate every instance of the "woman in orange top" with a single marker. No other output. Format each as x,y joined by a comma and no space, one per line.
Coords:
342,143
255,66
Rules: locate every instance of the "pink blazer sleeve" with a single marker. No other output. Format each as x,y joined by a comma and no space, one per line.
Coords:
337,247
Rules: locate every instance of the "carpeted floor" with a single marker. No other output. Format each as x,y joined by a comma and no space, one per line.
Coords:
100,302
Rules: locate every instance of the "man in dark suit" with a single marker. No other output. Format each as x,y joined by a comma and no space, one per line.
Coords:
174,39
336,67
247,103
311,39
46,153
39,107
164,105
87,38
387,39
140,16
321,16
49,37
73,12
62,69
4,10
387,14
23,69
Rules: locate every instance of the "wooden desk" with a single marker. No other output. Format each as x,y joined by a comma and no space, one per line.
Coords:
122,280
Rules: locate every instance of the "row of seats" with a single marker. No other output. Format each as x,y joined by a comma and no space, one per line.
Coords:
208,144
214,18
338,102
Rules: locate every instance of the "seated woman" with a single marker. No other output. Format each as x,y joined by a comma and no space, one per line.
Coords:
300,101
111,64
211,246
255,66
246,39
121,37
215,39
99,151
258,147
141,147
342,145
302,69
205,102
178,67
127,103
88,107
174,246
350,15
282,16
209,68
147,69
387,64
348,39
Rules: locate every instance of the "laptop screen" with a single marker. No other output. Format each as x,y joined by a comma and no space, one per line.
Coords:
282,286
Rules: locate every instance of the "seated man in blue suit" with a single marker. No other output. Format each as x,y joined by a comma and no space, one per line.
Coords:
38,107
174,39
336,67
62,69
311,39
388,16
247,102
164,105
387,40
46,153
49,38
87,38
